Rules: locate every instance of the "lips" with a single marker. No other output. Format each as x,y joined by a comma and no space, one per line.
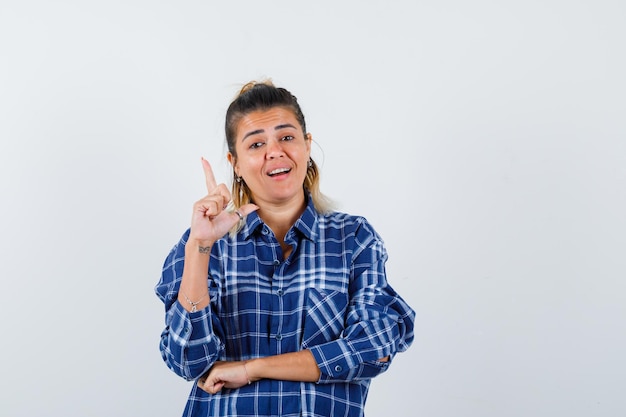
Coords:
278,171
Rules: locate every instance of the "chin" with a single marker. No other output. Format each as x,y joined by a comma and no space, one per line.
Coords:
284,197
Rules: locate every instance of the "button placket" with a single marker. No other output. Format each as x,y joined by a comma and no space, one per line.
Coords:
277,300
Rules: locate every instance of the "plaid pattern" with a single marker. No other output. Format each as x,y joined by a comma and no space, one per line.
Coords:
330,296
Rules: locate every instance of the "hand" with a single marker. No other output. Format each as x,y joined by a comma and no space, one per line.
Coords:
224,375
209,221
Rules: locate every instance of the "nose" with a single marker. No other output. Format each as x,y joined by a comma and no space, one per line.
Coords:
274,149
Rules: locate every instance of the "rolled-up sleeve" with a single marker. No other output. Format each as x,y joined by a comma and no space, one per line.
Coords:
190,342
378,322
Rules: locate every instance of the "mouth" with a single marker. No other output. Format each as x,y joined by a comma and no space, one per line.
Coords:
278,171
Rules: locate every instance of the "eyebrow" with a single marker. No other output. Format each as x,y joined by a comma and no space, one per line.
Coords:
283,126
254,132
278,127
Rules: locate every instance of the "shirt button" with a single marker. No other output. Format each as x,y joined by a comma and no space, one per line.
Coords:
276,262
338,368
279,292
279,337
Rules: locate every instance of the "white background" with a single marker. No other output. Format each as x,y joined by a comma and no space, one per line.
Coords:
485,140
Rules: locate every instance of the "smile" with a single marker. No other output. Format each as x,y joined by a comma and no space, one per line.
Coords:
278,171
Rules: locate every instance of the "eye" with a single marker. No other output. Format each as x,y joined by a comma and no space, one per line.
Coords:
256,145
287,138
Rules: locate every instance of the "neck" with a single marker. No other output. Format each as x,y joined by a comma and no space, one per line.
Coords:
281,216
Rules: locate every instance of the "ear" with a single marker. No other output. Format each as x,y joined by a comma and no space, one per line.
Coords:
309,140
233,161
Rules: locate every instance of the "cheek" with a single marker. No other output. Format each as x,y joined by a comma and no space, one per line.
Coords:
249,165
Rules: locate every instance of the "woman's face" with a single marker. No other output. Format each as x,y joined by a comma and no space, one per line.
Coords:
272,155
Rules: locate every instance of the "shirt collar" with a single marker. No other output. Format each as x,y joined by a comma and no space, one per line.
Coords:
307,224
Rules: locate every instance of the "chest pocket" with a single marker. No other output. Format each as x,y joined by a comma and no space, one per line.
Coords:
324,318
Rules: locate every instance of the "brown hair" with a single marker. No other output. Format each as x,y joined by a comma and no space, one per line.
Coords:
264,95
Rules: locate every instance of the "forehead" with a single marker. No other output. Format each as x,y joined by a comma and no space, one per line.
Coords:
267,119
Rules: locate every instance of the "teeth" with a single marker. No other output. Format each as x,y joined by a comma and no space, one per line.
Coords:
279,171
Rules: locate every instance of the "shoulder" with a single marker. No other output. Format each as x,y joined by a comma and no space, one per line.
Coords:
347,223
354,234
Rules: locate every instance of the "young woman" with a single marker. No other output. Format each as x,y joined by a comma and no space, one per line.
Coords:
276,305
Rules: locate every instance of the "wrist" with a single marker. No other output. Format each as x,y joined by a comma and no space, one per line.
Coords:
251,367
199,246
245,370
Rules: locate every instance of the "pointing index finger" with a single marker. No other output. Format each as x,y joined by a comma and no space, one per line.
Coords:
208,176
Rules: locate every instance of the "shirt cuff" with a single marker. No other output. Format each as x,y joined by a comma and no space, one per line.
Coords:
186,327
336,360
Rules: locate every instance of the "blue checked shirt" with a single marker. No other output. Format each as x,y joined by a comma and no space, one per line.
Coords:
330,296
